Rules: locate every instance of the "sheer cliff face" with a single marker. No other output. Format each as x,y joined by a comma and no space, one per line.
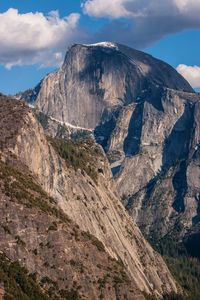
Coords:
95,81
145,115
90,204
159,182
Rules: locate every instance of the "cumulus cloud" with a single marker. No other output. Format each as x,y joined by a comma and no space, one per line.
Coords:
144,21
105,8
35,38
191,74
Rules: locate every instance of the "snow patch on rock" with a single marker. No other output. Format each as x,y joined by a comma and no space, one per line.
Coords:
103,44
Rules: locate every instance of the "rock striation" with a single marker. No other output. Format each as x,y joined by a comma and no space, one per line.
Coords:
96,81
56,219
146,117
160,182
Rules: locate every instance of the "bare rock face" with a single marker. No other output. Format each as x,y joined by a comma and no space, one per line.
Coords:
146,117
2,293
44,240
96,81
62,130
160,182
89,203
29,95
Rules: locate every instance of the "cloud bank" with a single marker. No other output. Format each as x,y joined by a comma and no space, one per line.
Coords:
191,74
139,23
35,38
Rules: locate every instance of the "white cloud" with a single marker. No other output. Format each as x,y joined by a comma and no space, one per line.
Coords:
191,74
147,21
105,8
35,38
140,8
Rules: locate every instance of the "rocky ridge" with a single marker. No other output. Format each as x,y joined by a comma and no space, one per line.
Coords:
164,167
145,115
43,195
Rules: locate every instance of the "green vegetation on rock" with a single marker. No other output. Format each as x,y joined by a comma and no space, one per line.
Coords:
80,155
99,245
25,190
185,269
18,284
43,119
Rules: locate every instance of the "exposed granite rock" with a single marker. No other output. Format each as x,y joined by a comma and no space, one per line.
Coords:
64,258
94,81
61,130
146,117
161,184
2,292
29,95
92,205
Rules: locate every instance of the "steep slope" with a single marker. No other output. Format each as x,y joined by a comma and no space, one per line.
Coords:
62,130
145,115
63,258
29,95
164,195
87,199
95,81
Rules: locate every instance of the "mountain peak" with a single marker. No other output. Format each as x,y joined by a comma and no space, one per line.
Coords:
98,77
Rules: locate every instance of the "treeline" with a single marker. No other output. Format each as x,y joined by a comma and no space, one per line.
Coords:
185,269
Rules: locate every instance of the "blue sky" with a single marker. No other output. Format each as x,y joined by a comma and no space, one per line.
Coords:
34,44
